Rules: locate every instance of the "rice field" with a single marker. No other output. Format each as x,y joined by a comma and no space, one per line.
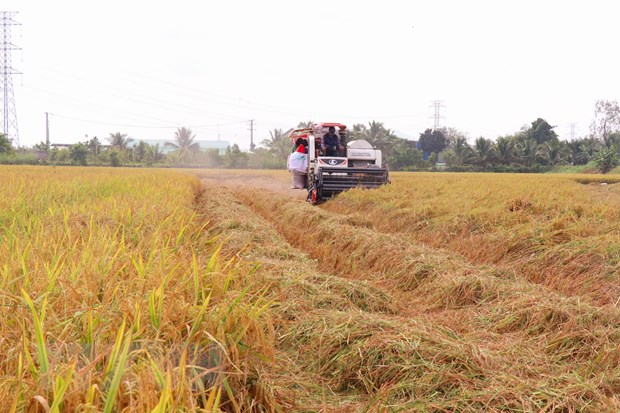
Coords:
205,290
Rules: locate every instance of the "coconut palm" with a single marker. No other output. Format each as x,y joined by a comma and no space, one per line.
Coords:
577,152
185,144
528,152
505,147
591,146
152,154
119,140
277,143
94,146
139,151
554,152
306,124
484,151
463,153
375,133
358,131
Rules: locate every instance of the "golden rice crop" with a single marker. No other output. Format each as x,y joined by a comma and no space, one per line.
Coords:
551,229
528,348
114,299
150,290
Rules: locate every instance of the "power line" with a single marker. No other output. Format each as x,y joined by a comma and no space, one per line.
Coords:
9,112
203,95
144,126
141,101
158,85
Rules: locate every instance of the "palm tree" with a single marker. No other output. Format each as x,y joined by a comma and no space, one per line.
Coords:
484,151
119,140
94,146
376,134
278,144
553,152
528,152
462,151
577,154
139,151
590,147
306,124
505,147
451,135
185,144
152,154
358,131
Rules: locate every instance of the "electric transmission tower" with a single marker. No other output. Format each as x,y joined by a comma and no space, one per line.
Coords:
251,129
9,114
437,104
572,131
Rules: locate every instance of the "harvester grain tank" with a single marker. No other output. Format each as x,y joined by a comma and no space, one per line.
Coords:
358,165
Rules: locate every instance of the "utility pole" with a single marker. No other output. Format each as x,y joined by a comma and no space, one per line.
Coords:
9,114
47,131
437,105
572,131
252,146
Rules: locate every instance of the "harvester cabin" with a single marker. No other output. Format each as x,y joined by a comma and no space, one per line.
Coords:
318,130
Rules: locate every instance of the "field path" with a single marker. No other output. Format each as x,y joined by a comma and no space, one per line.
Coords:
266,182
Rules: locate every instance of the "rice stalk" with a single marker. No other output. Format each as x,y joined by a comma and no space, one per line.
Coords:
60,388
156,302
42,358
118,373
165,396
116,348
18,394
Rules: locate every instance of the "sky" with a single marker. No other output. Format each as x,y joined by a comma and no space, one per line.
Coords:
146,68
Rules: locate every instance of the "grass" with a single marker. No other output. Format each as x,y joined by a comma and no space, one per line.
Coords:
589,168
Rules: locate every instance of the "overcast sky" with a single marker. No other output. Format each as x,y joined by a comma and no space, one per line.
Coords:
145,68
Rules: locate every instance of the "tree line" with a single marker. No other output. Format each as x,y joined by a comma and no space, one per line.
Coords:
534,148
122,150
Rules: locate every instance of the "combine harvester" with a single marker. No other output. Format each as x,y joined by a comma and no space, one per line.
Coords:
359,165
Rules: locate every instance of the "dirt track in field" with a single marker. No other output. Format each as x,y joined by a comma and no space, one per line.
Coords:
244,182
